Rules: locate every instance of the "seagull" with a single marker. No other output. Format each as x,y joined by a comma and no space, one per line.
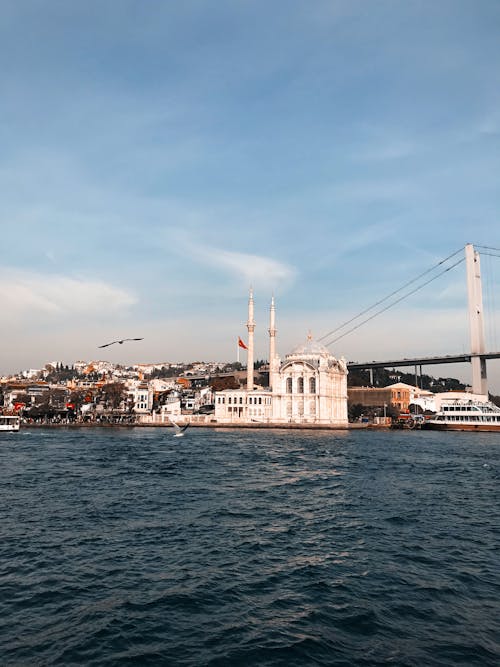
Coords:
179,430
120,342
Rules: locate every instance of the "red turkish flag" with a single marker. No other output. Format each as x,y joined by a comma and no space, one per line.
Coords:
242,344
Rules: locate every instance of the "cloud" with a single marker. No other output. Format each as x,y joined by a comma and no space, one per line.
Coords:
256,270
23,293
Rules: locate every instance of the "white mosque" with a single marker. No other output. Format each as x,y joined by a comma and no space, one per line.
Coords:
308,387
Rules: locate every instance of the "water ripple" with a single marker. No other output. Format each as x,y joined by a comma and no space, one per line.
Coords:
268,548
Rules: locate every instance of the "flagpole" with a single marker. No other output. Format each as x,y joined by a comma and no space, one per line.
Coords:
238,352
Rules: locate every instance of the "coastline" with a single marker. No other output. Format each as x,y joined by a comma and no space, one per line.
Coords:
209,425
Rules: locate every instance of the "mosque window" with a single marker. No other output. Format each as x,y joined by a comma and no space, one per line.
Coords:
312,385
289,385
300,385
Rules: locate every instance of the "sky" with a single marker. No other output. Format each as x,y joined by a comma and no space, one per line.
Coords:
159,158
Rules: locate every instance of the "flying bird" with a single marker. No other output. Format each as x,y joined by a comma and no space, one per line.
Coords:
179,430
120,342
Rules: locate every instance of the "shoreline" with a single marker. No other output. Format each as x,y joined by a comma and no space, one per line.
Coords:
208,425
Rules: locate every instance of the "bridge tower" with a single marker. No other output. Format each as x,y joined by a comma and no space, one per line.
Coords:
476,323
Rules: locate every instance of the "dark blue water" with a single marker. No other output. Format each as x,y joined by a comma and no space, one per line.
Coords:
131,547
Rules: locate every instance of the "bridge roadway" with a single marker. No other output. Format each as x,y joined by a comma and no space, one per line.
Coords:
422,361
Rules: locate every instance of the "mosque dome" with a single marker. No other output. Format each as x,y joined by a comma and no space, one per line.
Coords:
310,347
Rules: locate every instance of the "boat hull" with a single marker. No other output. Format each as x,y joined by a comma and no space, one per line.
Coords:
492,428
9,424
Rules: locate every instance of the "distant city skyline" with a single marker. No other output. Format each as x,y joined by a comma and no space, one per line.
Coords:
158,160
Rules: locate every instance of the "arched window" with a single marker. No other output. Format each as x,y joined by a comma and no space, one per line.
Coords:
312,385
300,385
289,385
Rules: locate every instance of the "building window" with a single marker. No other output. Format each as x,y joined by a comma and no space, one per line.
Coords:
300,385
289,385
312,385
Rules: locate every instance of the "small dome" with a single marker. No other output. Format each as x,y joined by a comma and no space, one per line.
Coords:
310,348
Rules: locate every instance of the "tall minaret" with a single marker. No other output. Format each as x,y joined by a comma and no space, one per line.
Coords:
251,329
272,343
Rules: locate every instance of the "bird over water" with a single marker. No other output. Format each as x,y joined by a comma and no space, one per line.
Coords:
120,342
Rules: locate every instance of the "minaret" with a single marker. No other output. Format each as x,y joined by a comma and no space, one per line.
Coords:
272,343
251,329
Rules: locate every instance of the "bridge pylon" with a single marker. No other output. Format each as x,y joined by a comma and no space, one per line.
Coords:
476,322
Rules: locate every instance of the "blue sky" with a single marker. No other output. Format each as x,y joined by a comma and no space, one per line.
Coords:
159,158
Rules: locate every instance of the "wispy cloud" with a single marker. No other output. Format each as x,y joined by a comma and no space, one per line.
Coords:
257,270
25,293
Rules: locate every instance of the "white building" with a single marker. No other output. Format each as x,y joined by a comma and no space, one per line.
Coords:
308,387
171,410
141,397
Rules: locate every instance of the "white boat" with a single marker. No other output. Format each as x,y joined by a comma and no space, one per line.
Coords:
465,415
9,423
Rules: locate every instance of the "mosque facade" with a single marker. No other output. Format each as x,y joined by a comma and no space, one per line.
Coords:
307,386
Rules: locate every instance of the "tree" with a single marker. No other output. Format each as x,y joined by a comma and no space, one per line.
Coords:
112,394
234,366
78,398
355,411
221,383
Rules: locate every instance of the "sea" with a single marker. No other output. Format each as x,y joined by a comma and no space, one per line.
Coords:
128,546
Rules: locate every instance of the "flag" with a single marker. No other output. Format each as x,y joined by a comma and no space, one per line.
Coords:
242,344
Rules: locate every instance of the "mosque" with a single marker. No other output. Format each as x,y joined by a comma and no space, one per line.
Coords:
309,386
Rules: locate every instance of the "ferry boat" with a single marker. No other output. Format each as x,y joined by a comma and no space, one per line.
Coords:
465,415
9,423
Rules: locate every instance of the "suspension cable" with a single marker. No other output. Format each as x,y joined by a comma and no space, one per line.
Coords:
491,254
487,247
366,310
416,289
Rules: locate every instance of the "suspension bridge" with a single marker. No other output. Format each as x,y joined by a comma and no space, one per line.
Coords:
477,356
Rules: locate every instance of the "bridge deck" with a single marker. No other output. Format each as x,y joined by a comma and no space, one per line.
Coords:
422,361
